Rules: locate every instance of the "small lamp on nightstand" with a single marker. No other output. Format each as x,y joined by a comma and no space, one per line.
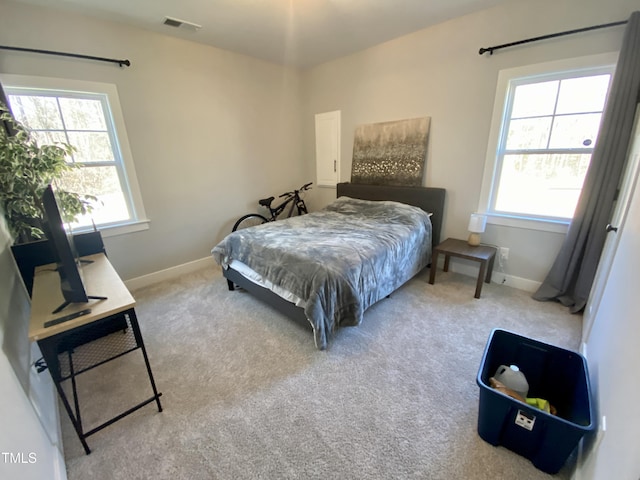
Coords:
477,224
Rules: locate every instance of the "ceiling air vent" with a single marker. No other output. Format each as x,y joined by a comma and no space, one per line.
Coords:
177,23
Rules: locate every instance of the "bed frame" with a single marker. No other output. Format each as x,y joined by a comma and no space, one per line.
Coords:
428,199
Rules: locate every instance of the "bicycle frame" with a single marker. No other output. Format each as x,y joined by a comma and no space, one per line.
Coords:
291,197
295,201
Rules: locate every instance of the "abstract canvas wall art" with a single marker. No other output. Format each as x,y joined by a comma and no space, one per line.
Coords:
391,153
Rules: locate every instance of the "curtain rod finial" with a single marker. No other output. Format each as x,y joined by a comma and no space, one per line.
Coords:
485,50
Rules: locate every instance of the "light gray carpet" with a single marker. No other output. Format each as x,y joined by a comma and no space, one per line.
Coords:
246,395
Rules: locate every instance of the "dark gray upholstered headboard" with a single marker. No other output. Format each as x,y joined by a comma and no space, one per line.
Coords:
427,198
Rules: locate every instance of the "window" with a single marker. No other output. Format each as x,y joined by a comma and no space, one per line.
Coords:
85,118
542,141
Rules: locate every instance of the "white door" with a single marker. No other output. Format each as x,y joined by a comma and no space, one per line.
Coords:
617,221
614,357
327,148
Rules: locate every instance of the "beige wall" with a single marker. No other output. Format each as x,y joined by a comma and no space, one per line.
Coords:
210,131
437,72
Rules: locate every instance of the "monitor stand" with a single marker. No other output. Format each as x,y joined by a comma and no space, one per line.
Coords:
89,297
64,304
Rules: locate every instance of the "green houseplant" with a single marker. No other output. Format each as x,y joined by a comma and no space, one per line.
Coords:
26,169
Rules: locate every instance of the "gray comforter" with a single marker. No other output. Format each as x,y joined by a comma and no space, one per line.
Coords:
340,260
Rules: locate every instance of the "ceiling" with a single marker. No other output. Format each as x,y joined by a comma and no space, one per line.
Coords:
301,33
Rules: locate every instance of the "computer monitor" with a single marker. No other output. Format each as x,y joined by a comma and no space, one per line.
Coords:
64,252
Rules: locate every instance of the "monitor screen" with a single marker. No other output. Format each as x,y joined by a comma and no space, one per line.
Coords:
64,251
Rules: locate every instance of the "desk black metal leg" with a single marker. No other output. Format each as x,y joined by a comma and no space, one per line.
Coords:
76,401
48,348
136,332
76,424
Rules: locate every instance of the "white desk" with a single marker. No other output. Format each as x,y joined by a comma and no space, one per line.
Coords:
75,346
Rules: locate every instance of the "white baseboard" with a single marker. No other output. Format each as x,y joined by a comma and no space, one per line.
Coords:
500,278
169,273
470,270
59,467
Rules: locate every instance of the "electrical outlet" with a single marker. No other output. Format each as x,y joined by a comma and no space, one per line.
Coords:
504,253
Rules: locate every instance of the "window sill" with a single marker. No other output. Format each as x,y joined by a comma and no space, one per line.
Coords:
544,225
119,229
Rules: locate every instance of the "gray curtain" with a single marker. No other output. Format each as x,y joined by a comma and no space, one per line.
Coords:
571,276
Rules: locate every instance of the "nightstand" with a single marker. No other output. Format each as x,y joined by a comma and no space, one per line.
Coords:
452,247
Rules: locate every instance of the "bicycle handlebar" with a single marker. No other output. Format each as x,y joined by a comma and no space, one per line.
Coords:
302,188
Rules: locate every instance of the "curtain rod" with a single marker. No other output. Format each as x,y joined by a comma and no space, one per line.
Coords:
552,35
126,63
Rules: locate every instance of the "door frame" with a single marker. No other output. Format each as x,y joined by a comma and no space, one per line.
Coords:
626,192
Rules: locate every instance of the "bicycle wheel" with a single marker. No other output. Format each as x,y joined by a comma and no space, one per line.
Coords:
249,220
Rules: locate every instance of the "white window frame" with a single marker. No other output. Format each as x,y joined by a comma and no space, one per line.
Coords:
491,173
138,221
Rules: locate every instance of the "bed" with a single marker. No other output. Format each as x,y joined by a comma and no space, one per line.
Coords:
326,268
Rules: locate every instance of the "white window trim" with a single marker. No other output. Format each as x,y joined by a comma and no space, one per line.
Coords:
140,222
500,103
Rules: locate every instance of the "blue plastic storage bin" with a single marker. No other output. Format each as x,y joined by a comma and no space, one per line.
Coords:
555,374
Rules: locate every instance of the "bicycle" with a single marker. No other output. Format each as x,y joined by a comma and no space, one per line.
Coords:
293,198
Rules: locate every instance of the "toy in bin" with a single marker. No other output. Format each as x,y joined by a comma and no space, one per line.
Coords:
511,377
511,381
